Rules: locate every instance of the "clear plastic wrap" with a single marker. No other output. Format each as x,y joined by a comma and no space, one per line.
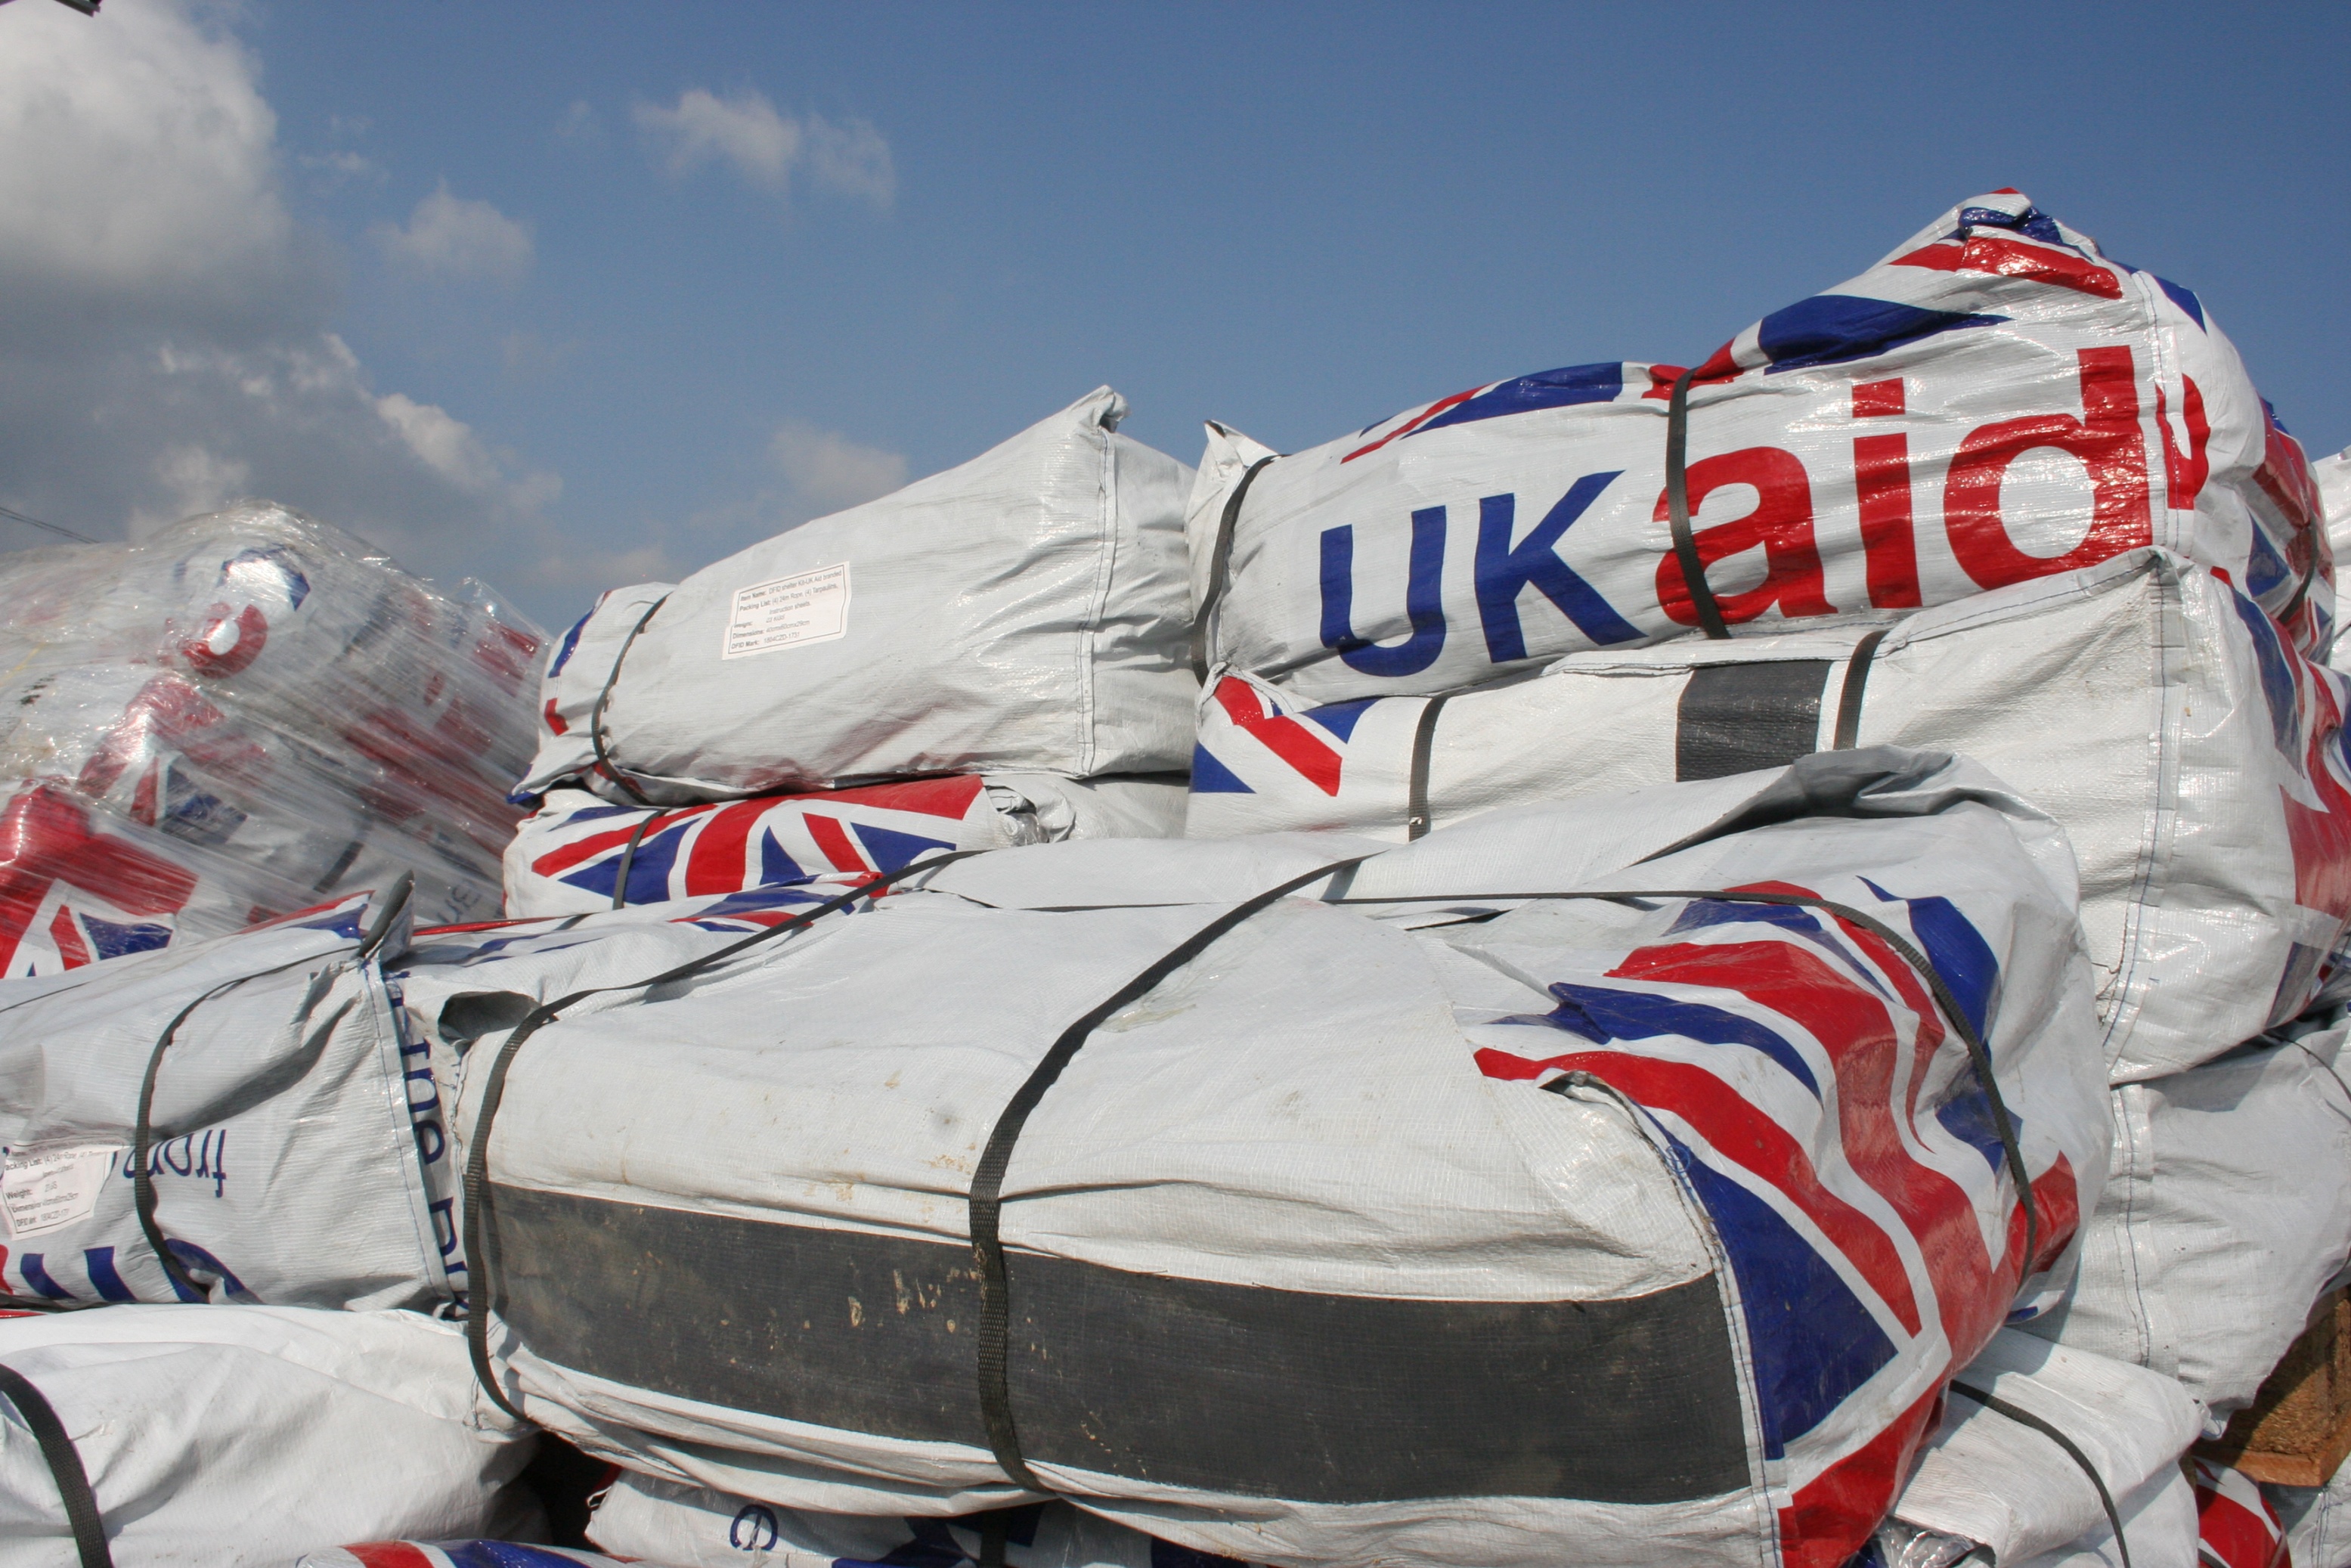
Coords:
247,714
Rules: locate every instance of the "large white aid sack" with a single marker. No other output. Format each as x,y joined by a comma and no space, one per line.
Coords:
1993,1476
241,1436
579,672
1423,1218
248,714
646,1519
2317,1520
577,853
1995,400
263,1085
2195,761
2226,1213
1025,612
296,1082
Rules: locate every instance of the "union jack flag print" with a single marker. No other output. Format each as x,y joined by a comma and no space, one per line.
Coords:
570,856
1796,1071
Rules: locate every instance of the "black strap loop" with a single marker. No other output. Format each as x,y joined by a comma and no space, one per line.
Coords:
65,1467
2027,1418
1220,563
604,763
988,1183
1418,820
1979,1054
1709,613
482,1254
1856,681
627,859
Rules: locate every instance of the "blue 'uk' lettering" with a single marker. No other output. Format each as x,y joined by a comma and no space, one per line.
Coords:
1423,600
1503,570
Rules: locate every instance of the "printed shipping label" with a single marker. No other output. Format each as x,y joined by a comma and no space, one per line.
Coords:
789,612
47,1190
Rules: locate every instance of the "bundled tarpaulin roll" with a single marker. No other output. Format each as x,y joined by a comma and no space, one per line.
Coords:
1995,400
2227,1212
248,714
1619,1180
244,1437
644,1519
264,1117
577,853
2195,761
2037,1442
1024,613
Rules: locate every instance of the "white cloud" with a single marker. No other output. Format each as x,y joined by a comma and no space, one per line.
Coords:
829,472
451,236
745,132
167,324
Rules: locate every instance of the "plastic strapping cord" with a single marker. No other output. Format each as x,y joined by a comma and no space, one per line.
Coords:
1709,613
481,1235
627,859
988,1183
142,1130
1857,682
2027,1418
1979,1057
1416,820
1220,563
604,762
65,1467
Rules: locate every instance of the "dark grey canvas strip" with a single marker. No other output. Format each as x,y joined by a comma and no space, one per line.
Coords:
1186,1383
1739,718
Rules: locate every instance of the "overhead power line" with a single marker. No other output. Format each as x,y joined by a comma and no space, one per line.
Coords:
58,529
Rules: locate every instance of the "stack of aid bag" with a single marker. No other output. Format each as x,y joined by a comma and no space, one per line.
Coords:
1994,402
1019,625
246,714
1631,1175
2195,759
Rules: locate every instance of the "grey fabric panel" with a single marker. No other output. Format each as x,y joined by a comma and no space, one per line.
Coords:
1183,1382
1737,718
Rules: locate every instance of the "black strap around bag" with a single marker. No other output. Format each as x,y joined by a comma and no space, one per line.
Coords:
988,1183
1220,565
1709,613
483,1255
2027,1418
604,762
65,1467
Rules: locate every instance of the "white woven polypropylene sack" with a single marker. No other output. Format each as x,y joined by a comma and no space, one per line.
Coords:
225,1436
580,670
646,1518
579,853
2196,762
1443,1223
289,1164
1986,1476
1993,401
2227,1211
1025,612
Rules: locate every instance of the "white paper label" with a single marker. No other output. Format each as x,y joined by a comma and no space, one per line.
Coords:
47,1190
789,612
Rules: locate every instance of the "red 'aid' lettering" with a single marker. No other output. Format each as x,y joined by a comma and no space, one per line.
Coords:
1781,523
2107,441
1881,482
1874,399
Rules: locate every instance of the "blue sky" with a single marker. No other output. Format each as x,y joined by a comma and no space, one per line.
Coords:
581,293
